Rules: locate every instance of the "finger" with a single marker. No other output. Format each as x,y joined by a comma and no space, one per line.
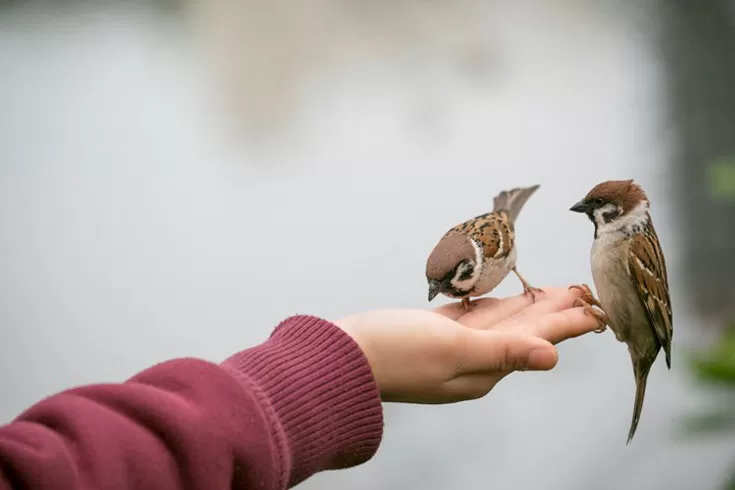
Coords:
492,352
558,326
486,312
485,317
558,300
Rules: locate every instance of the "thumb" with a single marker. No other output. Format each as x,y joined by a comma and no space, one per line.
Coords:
492,351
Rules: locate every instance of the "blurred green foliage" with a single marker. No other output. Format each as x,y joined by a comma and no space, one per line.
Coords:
721,175
717,365
715,368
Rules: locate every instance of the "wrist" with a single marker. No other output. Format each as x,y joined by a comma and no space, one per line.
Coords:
319,393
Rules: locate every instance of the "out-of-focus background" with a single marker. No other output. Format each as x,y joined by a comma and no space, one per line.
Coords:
178,176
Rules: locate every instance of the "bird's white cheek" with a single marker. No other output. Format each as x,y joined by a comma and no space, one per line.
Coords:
469,283
600,216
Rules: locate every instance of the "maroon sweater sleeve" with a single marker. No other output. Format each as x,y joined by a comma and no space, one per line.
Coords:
267,418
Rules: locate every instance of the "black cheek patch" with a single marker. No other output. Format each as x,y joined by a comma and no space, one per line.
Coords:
611,215
467,273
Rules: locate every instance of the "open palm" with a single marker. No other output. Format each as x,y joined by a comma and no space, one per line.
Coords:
551,317
445,355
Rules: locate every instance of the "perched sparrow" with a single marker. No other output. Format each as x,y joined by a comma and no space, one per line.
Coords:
629,272
475,256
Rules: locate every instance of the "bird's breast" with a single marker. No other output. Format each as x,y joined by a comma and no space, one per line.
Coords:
616,291
493,273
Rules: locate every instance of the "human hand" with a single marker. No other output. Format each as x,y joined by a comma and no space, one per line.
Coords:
445,355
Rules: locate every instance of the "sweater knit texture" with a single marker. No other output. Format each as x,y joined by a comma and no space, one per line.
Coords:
268,417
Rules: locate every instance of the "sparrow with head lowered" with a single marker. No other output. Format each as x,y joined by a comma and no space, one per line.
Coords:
472,258
629,272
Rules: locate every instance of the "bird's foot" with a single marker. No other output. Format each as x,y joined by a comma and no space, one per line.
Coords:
466,305
527,288
587,294
591,306
598,314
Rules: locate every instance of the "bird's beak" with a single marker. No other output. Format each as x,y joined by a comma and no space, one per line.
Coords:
581,207
434,289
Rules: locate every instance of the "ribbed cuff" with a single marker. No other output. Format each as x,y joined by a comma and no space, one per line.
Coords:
320,394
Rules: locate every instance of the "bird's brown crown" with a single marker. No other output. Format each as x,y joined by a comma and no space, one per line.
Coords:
450,251
625,193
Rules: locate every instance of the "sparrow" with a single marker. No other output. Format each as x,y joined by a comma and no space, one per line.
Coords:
629,273
472,258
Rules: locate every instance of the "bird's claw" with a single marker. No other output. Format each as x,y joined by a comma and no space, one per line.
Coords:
587,294
528,289
599,315
466,305
591,306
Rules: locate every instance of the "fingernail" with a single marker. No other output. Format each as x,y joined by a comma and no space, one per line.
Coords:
541,358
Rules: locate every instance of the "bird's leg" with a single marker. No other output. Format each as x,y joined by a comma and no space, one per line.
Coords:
466,304
527,288
591,306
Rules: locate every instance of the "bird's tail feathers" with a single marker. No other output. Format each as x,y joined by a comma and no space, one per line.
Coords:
512,200
641,368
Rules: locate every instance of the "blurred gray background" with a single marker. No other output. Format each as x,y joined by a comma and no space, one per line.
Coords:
177,177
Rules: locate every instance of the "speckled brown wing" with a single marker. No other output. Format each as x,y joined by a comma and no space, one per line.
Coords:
648,270
494,231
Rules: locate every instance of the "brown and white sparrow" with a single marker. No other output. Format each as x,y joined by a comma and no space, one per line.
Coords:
629,272
472,258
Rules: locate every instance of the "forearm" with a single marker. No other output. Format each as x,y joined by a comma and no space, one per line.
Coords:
268,417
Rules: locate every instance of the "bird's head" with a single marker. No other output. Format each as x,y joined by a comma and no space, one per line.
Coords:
453,267
612,204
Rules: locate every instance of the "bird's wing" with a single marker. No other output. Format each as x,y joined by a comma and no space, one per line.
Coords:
493,231
648,269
